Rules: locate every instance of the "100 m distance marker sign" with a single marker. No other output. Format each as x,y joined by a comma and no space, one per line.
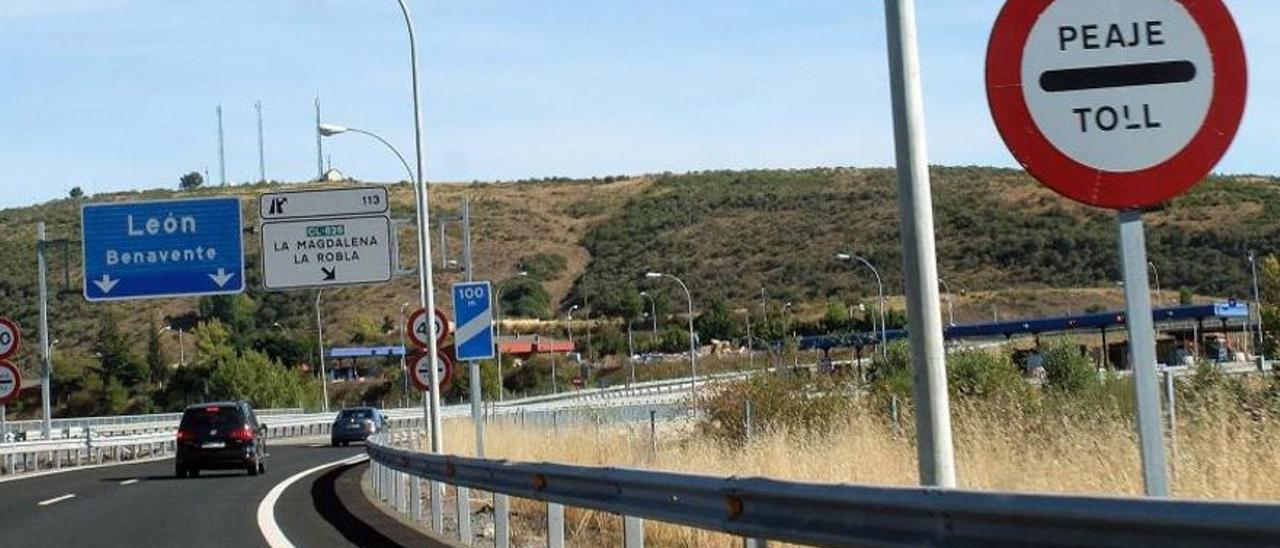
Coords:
1117,103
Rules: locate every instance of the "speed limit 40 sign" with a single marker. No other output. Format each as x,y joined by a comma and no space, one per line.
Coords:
422,327
10,338
1117,103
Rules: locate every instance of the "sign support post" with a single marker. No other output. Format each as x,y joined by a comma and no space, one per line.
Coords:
933,407
1142,349
46,365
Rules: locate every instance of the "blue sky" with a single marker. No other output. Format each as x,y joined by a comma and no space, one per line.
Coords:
120,94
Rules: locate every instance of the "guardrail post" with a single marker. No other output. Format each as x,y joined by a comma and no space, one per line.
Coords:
754,543
437,507
632,532
501,521
395,490
415,499
555,525
464,515
57,460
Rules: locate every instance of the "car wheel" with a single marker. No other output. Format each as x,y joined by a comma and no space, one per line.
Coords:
193,472
179,471
262,467
333,443
252,467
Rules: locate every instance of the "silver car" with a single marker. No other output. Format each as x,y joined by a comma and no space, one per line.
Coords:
356,424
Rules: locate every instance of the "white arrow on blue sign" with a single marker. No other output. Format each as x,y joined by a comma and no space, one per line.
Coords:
473,318
169,248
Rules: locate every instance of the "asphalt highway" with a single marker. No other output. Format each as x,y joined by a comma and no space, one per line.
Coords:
145,505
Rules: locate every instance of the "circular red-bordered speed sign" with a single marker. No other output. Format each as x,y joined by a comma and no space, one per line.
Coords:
420,370
10,382
419,323
10,338
1120,104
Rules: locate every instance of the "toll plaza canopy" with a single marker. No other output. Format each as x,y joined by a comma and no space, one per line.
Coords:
1198,314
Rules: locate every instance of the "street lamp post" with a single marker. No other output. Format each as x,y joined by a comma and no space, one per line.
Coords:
182,355
1156,273
653,307
631,351
329,130
404,368
569,323
1257,302
324,380
951,313
884,332
693,349
497,324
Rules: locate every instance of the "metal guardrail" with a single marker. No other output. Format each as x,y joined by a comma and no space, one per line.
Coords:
156,440
759,509
75,427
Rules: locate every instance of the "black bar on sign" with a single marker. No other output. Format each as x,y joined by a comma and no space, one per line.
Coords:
1117,76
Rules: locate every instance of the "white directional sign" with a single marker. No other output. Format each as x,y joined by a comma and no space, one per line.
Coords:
1117,103
10,381
326,251
10,338
323,203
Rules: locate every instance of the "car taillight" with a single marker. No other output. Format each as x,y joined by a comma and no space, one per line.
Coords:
186,435
242,434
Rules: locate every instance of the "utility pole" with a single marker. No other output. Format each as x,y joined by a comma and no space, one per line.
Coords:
222,158
262,162
46,365
319,144
915,203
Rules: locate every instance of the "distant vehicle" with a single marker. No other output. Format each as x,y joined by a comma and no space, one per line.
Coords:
220,436
356,424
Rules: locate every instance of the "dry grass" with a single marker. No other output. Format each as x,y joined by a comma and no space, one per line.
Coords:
1229,457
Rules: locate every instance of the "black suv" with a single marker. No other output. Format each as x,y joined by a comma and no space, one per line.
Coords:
222,436
356,424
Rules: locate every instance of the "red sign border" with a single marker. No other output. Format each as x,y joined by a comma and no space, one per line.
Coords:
17,338
1109,189
17,381
413,377
444,333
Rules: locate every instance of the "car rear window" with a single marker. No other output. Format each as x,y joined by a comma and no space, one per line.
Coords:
358,414
212,417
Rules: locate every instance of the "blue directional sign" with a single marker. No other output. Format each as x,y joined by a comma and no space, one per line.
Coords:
473,316
170,248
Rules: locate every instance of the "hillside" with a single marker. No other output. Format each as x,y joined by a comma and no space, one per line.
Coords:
1003,239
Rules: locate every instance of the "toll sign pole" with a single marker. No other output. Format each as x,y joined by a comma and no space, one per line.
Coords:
1142,350
924,327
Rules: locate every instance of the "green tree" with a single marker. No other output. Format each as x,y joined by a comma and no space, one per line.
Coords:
1067,370
525,298
1185,298
237,313
191,181
116,360
157,360
715,322
836,318
76,193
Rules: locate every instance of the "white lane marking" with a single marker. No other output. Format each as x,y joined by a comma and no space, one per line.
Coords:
129,481
316,445
56,500
267,508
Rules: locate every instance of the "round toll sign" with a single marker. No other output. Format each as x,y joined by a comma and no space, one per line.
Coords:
420,370
10,338
419,326
10,382
1117,103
